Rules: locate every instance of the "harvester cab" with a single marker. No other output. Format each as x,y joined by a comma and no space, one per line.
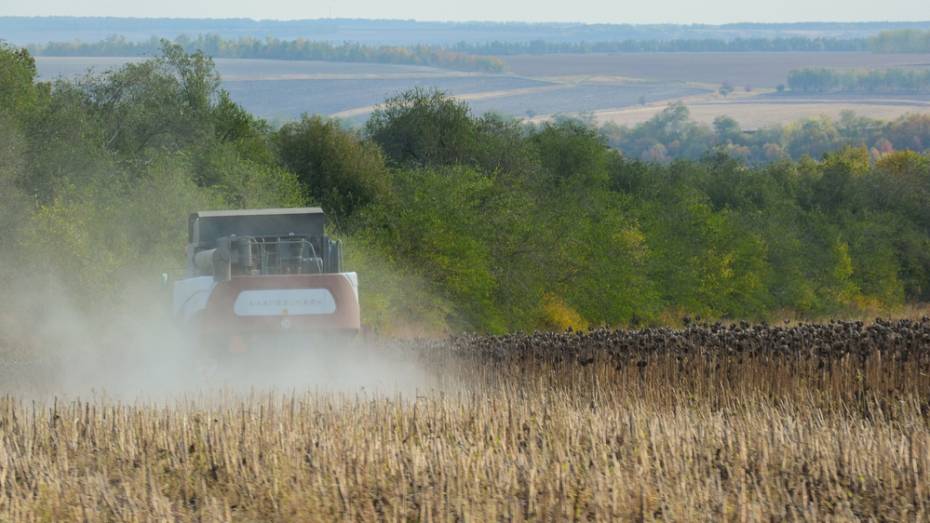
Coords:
251,273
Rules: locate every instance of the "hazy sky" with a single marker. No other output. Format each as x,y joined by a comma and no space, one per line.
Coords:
594,11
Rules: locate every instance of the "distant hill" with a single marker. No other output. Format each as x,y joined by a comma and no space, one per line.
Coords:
40,30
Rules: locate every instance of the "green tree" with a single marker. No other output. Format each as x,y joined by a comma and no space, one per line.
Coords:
503,149
19,93
335,167
160,104
250,135
572,155
434,222
422,128
66,144
837,187
727,130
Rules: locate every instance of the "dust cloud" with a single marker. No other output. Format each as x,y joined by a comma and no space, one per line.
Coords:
51,346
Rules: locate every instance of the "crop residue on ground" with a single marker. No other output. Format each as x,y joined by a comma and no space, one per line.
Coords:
707,423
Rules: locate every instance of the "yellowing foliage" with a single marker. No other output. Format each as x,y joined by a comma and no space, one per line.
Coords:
561,316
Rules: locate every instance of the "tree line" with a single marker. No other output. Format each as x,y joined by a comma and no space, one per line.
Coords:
479,56
454,221
471,56
690,45
276,49
672,135
901,41
875,81
887,41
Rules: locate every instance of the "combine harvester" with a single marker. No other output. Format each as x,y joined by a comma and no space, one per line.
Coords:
254,277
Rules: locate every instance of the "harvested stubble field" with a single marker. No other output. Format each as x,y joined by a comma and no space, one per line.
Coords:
759,69
706,423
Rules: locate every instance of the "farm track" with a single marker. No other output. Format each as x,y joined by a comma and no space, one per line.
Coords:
707,423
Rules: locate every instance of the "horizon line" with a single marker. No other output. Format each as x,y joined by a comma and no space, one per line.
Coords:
466,22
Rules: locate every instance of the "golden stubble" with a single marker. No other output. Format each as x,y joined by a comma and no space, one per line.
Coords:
703,435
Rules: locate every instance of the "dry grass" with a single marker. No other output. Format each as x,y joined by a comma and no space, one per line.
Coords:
695,425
